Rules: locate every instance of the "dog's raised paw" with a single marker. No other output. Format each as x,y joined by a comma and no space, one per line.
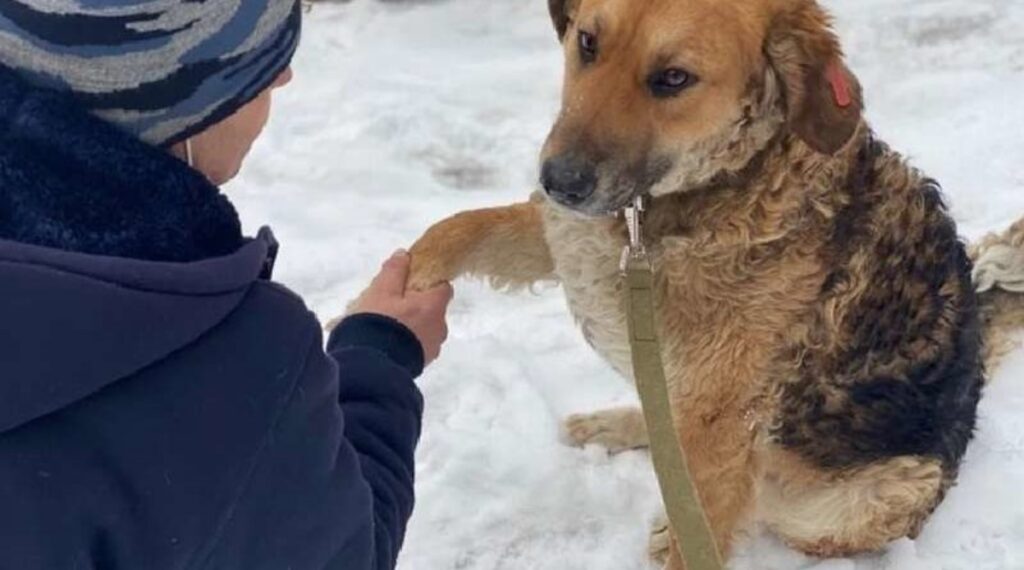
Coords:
616,430
422,281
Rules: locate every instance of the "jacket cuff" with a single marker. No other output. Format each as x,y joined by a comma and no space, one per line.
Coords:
381,333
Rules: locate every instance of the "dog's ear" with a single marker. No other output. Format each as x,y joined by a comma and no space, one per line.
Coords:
561,15
823,98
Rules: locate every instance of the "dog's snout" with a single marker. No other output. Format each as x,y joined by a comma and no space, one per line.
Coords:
568,179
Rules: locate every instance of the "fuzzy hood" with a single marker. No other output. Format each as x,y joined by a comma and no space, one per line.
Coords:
102,236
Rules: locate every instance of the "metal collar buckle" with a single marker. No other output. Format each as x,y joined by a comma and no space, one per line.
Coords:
635,251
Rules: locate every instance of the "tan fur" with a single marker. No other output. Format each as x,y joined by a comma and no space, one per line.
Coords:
616,430
999,275
1003,317
659,543
741,236
844,513
467,245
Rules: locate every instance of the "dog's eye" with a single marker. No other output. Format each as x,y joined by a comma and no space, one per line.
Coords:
669,82
588,46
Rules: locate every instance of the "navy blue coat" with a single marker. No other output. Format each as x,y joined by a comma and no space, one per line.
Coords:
163,404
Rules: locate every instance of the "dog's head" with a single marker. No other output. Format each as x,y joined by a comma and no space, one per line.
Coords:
664,96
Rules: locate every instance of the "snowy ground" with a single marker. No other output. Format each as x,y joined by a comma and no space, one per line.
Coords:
402,114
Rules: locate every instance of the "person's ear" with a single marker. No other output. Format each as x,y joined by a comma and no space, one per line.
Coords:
823,98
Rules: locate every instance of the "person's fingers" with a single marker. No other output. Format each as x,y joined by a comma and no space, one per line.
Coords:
393,275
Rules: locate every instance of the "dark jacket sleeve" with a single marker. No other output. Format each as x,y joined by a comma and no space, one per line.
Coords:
333,486
378,358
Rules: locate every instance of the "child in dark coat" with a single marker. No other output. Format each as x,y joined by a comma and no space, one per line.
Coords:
163,403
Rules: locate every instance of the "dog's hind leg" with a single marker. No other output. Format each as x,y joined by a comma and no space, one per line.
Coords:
838,514
617,429
505,245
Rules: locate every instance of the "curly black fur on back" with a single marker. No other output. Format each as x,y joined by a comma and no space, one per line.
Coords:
901,372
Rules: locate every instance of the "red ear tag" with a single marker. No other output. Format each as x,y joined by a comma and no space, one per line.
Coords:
840,84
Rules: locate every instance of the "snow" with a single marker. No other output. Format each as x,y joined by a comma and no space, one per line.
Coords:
401,114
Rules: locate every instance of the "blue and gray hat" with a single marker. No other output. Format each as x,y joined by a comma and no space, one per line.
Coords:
161,69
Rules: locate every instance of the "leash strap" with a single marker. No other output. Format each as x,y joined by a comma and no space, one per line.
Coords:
685,513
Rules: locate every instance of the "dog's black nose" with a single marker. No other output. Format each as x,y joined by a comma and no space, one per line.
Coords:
568,179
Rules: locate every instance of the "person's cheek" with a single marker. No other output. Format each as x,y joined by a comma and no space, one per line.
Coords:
266,104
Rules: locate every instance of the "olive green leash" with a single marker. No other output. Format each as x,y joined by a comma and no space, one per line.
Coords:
685,514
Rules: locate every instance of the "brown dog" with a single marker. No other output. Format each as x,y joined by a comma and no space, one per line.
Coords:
820,331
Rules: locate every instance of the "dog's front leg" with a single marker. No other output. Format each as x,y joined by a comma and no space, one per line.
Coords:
505,245
719,457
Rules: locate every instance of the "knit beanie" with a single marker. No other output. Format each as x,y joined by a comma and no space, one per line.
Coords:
163,70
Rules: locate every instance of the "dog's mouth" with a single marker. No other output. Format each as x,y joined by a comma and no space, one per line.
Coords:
610,203
615,190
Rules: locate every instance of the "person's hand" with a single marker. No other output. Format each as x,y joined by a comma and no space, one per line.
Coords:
423,312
